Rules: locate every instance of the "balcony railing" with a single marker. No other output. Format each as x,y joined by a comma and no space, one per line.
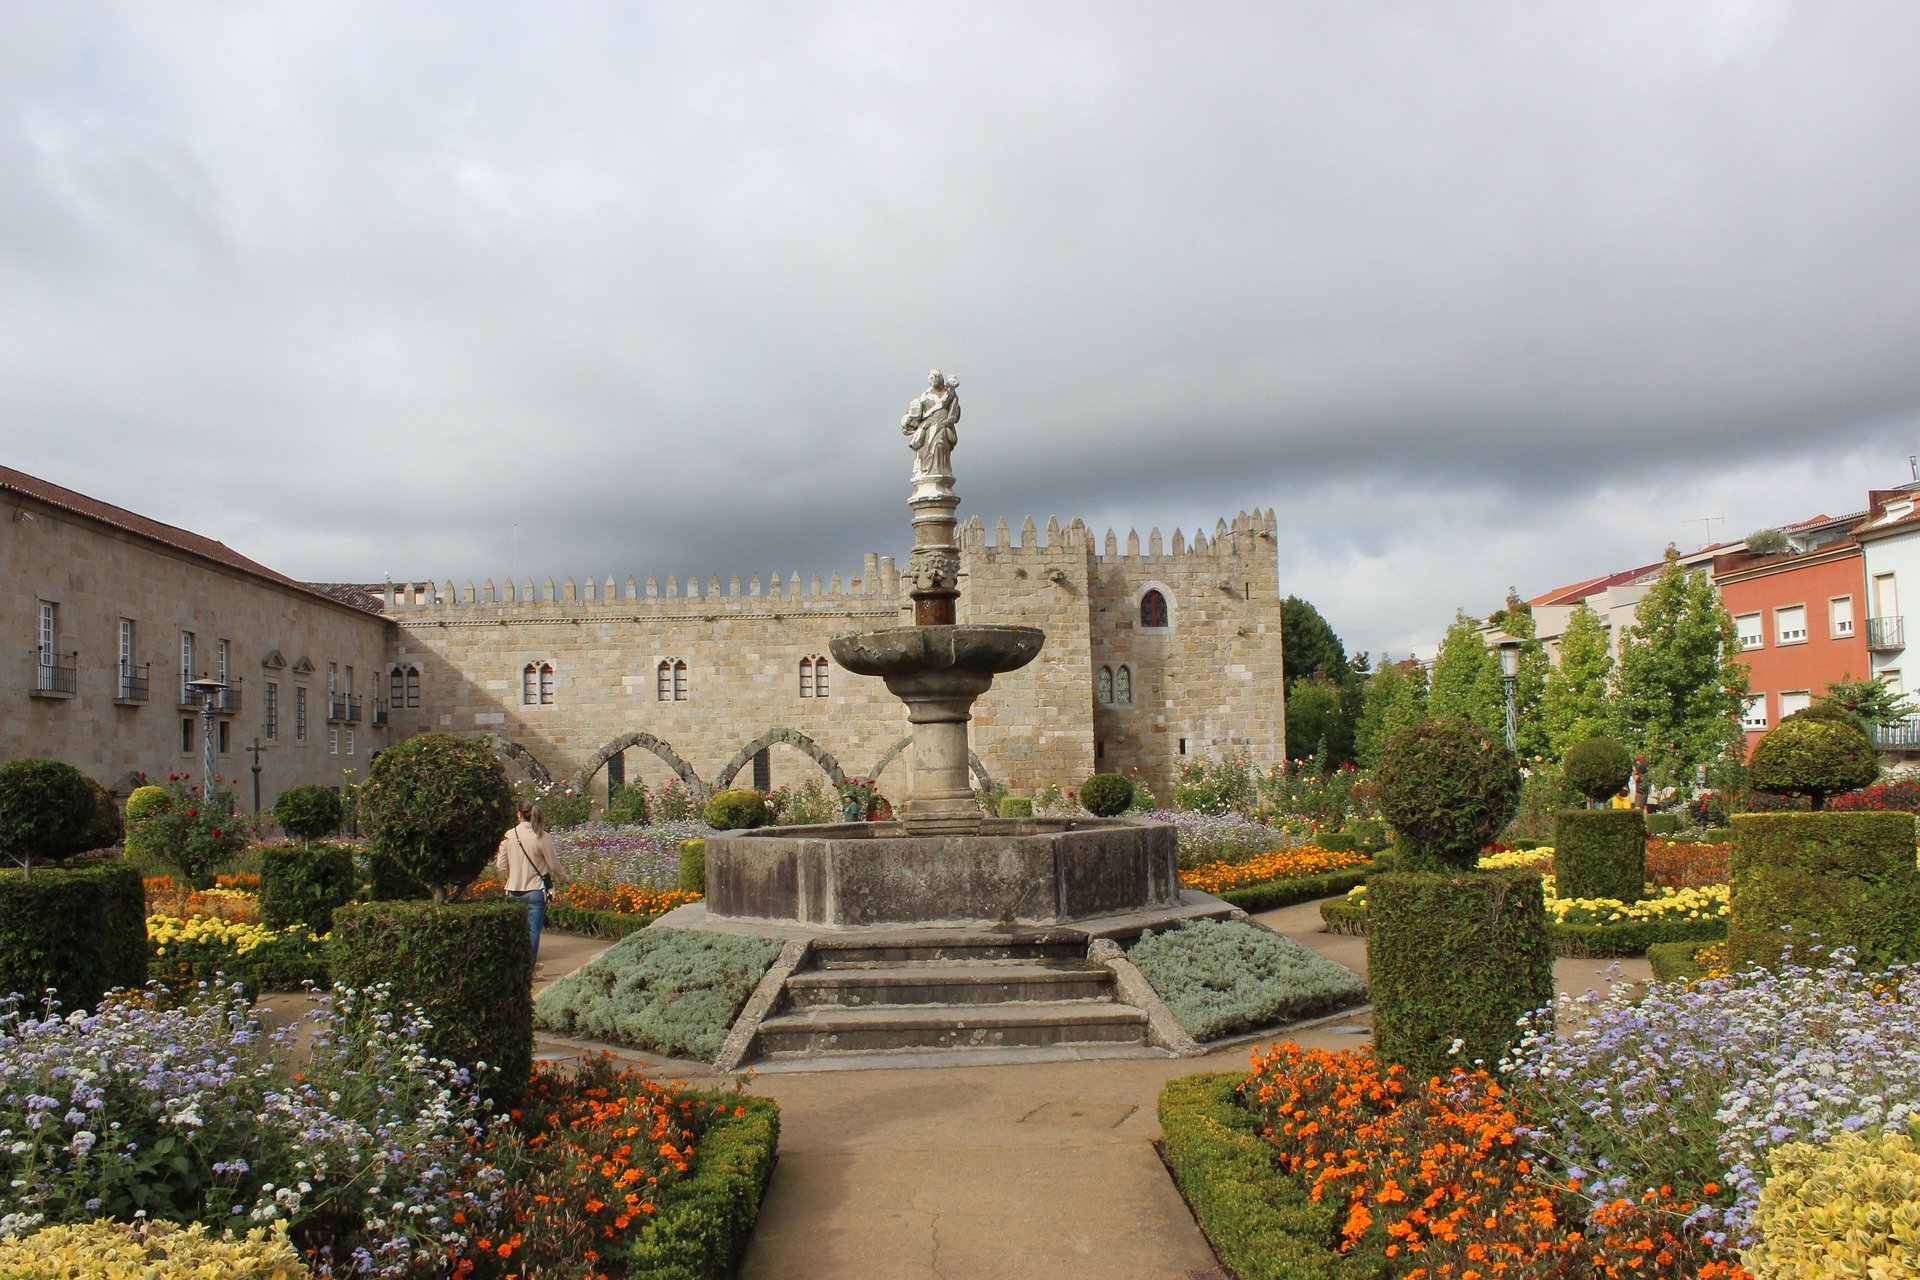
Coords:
134,681
1886,633
1901,733
57,672
344,709
226,701
379,711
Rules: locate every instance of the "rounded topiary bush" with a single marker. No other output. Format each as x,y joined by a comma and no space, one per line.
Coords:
1016,806
693,866
105,829
81,931
1600,853
437,805
300,884
308,812
467,965
1106,795
146,801
1831,712
1597,768
737,810
46,808
1846,878
1814,758
1447,788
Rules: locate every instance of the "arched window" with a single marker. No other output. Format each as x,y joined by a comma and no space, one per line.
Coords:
546,682
663,682
1123,686
680,680
1153,609
529,685
1103,685
813,677
806,677
413,686
397,687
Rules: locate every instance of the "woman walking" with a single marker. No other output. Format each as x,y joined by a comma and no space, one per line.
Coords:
526,862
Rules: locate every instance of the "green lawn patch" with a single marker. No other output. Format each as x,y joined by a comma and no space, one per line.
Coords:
674,991
1222,976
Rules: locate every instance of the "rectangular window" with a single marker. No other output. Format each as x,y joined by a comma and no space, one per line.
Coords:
186,733
333,742
1748,625
299,713
1886,596
1755,714
186,665
272,705
126,650
222,660
1790,624
220,731
347,687
49,645
349,742
1891,678
1798,700
333,679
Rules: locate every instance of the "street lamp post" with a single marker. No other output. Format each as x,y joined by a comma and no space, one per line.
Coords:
208,692
255,750
1509,679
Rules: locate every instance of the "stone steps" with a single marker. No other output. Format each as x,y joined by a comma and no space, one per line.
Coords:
893,1028
959,983
847,953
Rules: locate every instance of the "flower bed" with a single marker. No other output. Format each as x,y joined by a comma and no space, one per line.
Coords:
674,991
1222,976
201,935
1296,863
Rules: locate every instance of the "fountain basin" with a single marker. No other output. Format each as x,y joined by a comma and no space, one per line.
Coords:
906,651
1011,871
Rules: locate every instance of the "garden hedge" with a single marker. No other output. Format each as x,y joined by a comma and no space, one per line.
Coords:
1663,824
1263,1223
1600,853
467,965
595,924
1284,893
1674,962
79,930
1454,956
737,809
301,885
1847,877
388,881
693,866
1016,807
705,1219
1574,941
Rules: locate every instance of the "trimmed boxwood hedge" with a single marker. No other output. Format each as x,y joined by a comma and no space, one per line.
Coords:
1600,853
1456,955
1284,893
1016,807
467,965
595,924
301,885
1575,941
1664,824
1847,877
79,930
693,866
1263,1223
705,1219
1674,962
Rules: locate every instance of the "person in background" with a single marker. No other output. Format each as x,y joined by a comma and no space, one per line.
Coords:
526,863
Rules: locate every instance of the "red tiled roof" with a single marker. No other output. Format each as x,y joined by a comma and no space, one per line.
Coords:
140,526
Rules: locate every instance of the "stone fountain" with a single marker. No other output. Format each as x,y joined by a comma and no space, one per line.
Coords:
943,861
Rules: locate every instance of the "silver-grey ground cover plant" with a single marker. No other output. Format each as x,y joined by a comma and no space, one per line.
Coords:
1696,1083
1222,976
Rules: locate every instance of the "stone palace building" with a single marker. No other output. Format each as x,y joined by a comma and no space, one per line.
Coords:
1153,655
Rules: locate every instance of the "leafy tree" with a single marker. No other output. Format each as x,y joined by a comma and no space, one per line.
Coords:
1575,705
1680,686
1308,645
1530,682
1768,542
1870,701
1318,724
1322,692
1466,679
1394,697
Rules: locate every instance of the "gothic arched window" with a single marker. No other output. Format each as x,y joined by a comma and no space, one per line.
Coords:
679,680
1103,685
546,682
1153,609
1123,686
529,684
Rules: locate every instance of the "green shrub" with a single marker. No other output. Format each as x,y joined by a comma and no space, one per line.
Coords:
594,924
1264,1224
1223,976
736,809
1848,878
146,801
1832,712
1454,957
1339,842
1674,962
1600,853
1448,789
1016,807
1143,799
1717,835
106,828
302,885
674,991
1543,794
1372,833
308,812
438,805
1267,896
196,834
693,866
1813,758
79,930
106,1250
388,881
705,1219
1664,824
1597,768
467,965
562,807
1630,937
627,805
1106,795
46,808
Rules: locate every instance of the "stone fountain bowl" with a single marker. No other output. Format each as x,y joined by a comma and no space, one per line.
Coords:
902,651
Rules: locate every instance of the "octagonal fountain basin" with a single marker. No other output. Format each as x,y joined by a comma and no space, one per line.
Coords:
906,651
1012,871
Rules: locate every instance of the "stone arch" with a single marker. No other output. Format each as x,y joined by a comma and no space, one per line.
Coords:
639,738
507,749
792,737
974,763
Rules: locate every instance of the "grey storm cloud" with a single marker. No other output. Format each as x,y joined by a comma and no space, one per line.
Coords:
1474,294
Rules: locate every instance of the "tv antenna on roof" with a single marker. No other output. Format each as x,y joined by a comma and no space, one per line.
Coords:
1706,523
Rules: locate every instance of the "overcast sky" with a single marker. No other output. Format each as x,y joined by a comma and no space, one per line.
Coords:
1473,294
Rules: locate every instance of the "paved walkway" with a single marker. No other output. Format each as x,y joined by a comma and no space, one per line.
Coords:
1038,1169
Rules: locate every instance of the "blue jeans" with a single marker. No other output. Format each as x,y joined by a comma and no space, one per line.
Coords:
536,900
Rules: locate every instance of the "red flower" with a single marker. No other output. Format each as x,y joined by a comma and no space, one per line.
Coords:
216,833
193,813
